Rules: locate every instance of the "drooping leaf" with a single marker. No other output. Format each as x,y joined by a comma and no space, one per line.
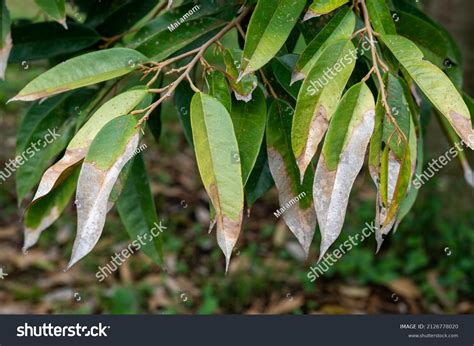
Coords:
282,68
138,212
87,69
217,155
260,179
318,98
217,85
242,88
44,132
380,17
270,25
5,38
433,83
339,27
166,42
54,9
249,120
47,40
99,172
41,215
320,7
341,160
77,149
296,205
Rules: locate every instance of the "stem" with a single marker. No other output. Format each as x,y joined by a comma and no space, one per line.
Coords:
376,60
188,68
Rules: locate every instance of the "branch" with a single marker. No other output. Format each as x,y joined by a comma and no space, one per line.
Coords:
170,88
376,61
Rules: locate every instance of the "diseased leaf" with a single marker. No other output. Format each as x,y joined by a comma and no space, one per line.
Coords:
249,120
217,155
54,9
242,88
87,69
270,25
218,88
341,160
44,132
98,175
320,7
380,17
434,84
339,27
5,38
41,215
318,98
47,40
138,212
296,204
77,149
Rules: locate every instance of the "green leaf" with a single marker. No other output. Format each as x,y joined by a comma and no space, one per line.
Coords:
260,180
242,88
380,17
87,69
320,7
138,212
295,199
5,38
339,27
249,120
270,25
341,160
318,98
54,9
282,68
42,214
182,102
217,155
125,17
44,132
164,43
77,149
46,40
218,88
434,84
99,172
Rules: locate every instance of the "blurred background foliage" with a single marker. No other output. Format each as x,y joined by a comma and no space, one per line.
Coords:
426,266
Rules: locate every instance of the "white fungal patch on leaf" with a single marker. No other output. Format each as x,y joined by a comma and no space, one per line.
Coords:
93,191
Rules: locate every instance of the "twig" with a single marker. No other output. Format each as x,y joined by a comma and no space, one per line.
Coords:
267,83
185,75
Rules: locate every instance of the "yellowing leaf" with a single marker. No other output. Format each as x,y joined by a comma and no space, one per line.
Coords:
218,160
320,7
434,84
